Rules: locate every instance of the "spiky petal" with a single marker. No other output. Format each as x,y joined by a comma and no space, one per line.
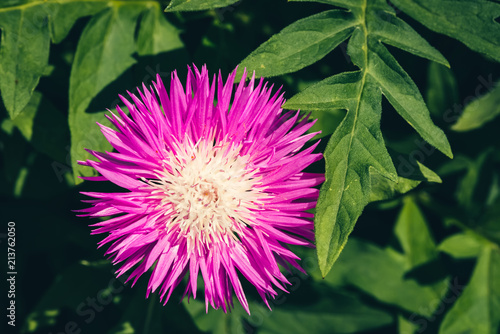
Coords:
210,189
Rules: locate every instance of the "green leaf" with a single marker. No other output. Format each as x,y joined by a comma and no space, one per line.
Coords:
332,93
414,235
291,47
357,148
327,121
352,149
300,44
337,312
404,95
24,52
462,245
383,189
156,34
191,5
477,310
418,246
479,111
405,326
391,30
335,92
442,89
372,269
468,192
472,22
24,55
339,3
63,15
425,174
103,54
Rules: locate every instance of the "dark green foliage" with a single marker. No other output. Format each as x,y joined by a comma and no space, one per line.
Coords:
396,87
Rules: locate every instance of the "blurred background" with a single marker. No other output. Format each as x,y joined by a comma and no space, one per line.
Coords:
409,259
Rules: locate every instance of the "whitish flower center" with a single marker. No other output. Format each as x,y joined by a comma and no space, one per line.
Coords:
207,192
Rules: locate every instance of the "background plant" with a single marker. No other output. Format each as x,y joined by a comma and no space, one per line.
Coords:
396,86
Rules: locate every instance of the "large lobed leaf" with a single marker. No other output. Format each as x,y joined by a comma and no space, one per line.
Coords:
356,149
104,53
156,35
353,148
24,49
24,55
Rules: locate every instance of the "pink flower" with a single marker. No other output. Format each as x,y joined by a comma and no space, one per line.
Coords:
210,189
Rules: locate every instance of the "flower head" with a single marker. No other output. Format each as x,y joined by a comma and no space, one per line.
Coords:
210,189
